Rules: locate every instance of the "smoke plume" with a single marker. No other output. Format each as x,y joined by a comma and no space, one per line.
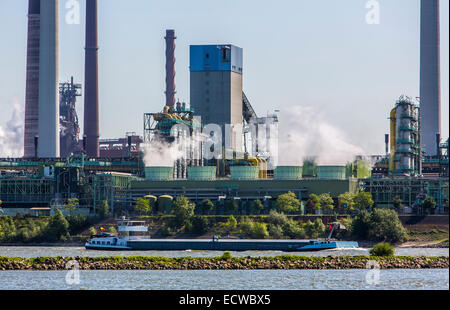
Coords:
11,134
304,133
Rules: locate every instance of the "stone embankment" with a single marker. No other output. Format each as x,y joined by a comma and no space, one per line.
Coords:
218,263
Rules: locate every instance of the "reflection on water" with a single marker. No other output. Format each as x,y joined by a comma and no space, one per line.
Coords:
397,279
81,251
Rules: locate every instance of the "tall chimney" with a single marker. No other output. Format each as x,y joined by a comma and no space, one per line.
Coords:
386,143
91,111
430,82
170,68
48,81
32,79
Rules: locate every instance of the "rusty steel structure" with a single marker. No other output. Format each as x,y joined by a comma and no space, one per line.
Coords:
170,68
91,104
68,119
32,79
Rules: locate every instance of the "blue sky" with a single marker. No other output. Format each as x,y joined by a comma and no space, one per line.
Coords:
296,52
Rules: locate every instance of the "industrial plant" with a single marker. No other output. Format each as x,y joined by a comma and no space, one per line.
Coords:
213,147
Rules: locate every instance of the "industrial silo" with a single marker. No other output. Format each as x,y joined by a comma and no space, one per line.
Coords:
158,173
244,172
331,172
288,173
202,173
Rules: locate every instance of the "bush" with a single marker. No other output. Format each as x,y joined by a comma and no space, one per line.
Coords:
58,227
276,218
92,231
382,249
200,225
380,225
259,231
292,230
231,222
275,231
386,226
76,223
226,256
253,230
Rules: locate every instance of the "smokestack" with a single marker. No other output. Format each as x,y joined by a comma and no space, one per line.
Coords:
91,112
438,142
170,68
430,82
386,142
36,143
48,81
32,79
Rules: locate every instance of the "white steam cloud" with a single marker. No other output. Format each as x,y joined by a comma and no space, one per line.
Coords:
11,134
158,153
304,133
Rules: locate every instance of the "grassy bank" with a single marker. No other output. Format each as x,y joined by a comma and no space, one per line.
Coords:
221,263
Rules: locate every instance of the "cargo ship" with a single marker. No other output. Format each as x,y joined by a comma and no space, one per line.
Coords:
129,240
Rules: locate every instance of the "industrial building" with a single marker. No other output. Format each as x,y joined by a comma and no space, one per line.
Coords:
216,89
58,165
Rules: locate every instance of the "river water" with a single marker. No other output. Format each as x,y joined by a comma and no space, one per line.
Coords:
20,251
397,279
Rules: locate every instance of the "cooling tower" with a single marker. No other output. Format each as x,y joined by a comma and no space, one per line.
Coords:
91,111
170,68
48,125
430,88
32,78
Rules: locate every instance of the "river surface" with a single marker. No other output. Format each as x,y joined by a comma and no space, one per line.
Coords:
360,279
26,252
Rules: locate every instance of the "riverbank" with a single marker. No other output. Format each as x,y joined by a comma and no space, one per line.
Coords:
286,262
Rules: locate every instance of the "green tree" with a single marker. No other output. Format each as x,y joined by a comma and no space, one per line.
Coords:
231,222
207,205
72,205
103,210
361,225
259,231
92,231
292,230
200,225
275,231
276,218
363,201
142,206
288,202
231,206
380,225
429,204
58,227
183,209
315,202
346,199
397,202
258,206
326,202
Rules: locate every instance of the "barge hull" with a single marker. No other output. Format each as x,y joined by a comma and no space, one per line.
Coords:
236,245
